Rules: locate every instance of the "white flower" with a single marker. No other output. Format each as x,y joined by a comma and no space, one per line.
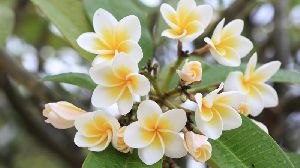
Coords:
62,114
216,112
96,130
227,45
112,37
198,146
188,21
156,133
252,83
190,72
121,146
118,82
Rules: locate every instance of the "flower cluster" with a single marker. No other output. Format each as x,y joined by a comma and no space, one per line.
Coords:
152,130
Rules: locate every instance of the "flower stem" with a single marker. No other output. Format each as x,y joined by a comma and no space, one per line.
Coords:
201,50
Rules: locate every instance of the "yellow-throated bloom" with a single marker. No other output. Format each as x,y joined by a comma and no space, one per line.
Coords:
121,146
62,114
96,130
198,146
156,133
188,21
190,72
118,82
227,45
216,112
112,36
252,83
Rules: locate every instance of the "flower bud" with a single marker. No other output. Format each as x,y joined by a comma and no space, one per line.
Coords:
198,146
121,146
190,72
61,114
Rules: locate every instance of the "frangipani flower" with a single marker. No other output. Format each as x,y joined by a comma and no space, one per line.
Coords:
190,72
112,36
216,112
62,114
227,45
96,130
188,21
121,146
198,146
252,83
156,133
118,82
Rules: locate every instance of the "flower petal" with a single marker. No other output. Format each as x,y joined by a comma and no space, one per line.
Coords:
86,126
174,145
269,94
231,98
169,15
58,122
193,30
152,153
202,13
217,32
233,28
104,24
148,114
140,85
103,74
173,33
83,141
251,66
129,29
234,82
103,145
136,136
213,128
243,46
172,120
266,71
230,117
184,7
210,97
124,65
92,43
229,57
132,49
66,110
106,96
125,102
255,102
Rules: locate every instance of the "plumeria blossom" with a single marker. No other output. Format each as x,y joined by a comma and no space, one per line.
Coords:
121,146
190,72
118,82
252,83
96,130
216,112
227,45
112,37
188,21
198,146
156,133
62,114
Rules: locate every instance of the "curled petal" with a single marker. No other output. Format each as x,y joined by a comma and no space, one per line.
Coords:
136,136
86,126
125,102
92,43
174,34
153,152
230,117
106,96
132,49
227,56
139,85
103,144
269,94
174,145
193,30
83,141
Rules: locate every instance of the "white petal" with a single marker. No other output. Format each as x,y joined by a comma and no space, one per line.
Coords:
103,145
152,153
217,32
170,33
190,105
255,102
106,96
213,128
228,58
140,84
103,74
174,145
233,28
210,97
244,46
172,120
210,42
148,113
100,60
234,81
230,117
194,29
137,137
83,141
266,71
131,27
251,66
261,125
92,43
231,98
86,126
132,49
104,22
125,102
204,14
58,122
186,5
66,110
269,94
169,15
124,65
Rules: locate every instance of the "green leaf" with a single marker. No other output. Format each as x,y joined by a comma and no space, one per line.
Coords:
78,79
295,158
247,146
69,17
121,9
6,23
111,158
